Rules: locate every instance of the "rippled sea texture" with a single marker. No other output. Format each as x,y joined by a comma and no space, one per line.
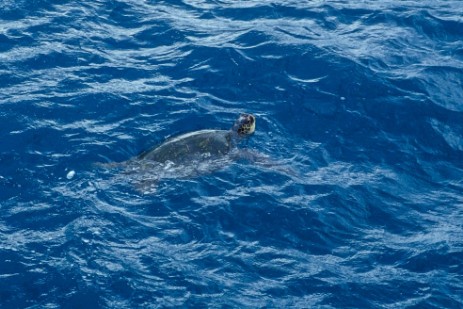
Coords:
359,108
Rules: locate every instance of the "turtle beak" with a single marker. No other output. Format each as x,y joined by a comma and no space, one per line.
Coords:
252,124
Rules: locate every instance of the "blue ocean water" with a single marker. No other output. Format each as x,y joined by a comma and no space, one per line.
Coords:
359,104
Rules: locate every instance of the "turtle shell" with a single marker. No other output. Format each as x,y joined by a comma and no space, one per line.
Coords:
191,146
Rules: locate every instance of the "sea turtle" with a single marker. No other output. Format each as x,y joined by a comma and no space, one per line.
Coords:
201,144
187,155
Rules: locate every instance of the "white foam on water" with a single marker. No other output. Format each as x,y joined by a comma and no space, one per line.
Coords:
70,174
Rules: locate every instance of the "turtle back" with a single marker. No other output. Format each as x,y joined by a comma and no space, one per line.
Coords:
191,146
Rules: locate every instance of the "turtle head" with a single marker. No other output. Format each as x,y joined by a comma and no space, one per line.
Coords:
245,125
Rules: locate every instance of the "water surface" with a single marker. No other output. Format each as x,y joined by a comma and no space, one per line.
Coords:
362,101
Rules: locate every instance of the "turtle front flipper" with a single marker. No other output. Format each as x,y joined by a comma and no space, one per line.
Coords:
265,161
146,186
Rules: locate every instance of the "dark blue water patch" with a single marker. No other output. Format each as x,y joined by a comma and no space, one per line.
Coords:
383,214
11,39
17,10
443,260
424,23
